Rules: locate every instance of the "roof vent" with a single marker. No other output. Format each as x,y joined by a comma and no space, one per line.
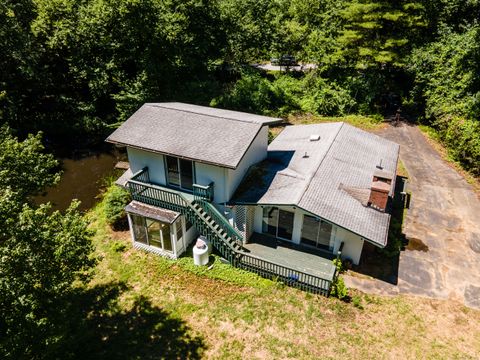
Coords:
314,137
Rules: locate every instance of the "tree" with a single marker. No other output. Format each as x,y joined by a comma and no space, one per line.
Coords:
42,254
379,33
24,168
447,89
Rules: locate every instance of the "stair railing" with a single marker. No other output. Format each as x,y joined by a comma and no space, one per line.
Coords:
173,200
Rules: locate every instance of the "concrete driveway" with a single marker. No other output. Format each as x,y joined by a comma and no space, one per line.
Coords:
444,218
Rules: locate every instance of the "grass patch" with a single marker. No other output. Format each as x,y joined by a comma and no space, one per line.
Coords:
401,169
225,312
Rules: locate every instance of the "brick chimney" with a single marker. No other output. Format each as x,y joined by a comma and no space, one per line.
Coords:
380,189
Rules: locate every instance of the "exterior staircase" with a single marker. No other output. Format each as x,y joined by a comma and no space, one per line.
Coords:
210,223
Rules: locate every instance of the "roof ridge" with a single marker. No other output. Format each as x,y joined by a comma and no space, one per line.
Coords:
203,114
312,175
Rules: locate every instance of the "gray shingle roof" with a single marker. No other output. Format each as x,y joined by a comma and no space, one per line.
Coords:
209,135
331,182
152,212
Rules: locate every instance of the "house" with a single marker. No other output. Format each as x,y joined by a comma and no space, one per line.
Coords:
283,209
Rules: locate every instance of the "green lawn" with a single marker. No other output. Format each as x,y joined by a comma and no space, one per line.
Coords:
149,307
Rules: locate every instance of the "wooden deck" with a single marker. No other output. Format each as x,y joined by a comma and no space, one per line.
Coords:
310,261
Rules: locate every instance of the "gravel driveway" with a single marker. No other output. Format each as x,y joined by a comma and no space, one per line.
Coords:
444,217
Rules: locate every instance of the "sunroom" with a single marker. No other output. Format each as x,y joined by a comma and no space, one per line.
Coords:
157,230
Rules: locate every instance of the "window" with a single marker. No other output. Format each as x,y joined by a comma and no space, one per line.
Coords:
270,220
179,172
277,222
153,229
178,224
173,172
152,232
139,229
310,230
186,174
166,237
316,232
285,224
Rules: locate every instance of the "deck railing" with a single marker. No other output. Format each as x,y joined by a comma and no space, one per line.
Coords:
212,211
286,275
143,191
157,196
201,192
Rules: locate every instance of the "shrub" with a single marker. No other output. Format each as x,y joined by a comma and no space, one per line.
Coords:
116,199
462,138
118,246
339,265
339,289
286,94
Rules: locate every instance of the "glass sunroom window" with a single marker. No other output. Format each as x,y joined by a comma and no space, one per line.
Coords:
154,237
166,236
139,229
152,232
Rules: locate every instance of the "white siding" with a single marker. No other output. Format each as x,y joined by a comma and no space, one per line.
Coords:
353,244
297,221
255,153
206,173
138,159
187,238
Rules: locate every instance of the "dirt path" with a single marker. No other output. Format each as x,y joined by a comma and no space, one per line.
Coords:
443,219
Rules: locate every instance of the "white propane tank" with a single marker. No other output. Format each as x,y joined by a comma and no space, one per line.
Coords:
200,252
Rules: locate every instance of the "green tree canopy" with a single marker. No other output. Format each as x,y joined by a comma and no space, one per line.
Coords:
24,167
42,254
379,33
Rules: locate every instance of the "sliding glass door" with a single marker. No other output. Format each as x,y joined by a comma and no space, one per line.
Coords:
278,222
179,172
316,232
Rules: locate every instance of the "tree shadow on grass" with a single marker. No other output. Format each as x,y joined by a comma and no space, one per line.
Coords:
97,327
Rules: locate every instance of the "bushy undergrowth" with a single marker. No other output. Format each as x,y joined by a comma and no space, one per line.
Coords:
116,198
446,82
286,94
462,138
339,289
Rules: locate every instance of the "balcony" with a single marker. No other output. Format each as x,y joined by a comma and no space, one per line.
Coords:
143,190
